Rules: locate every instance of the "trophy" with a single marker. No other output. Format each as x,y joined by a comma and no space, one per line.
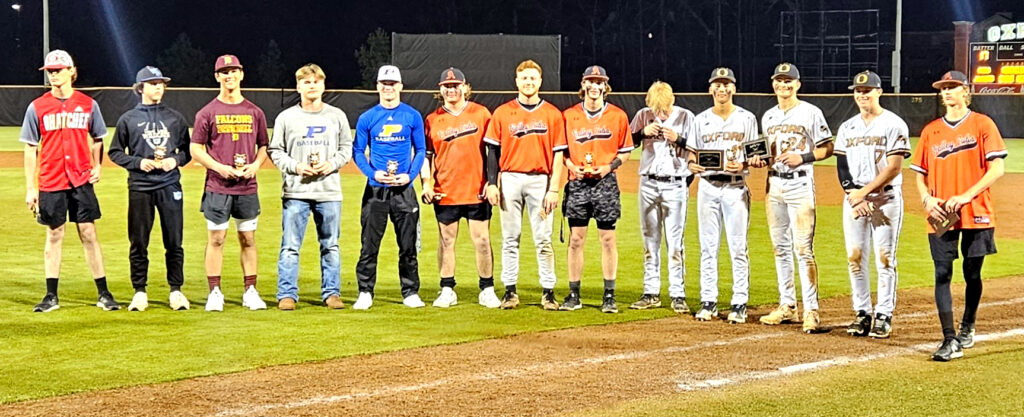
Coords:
439,196
588,163
159,153
240,160
314,158
392,168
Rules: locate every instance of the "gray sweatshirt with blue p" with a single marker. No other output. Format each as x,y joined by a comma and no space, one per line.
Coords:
301,136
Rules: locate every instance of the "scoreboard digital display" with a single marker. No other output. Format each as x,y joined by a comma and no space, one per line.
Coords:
997,66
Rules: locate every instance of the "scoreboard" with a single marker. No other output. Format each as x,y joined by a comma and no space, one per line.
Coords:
997,66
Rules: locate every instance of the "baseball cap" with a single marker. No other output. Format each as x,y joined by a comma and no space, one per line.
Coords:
57,59
866,79
149,73
227,61
596,72
451,75
788,70
389,73
721,73
951,77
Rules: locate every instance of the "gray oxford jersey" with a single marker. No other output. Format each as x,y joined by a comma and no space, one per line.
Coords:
867,147
659,157
799,130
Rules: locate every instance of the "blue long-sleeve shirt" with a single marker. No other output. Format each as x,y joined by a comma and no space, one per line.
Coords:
392,135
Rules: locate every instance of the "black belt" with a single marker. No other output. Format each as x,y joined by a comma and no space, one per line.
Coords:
663,178
724,178
788,175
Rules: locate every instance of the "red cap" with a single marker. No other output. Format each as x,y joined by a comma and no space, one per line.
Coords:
227,61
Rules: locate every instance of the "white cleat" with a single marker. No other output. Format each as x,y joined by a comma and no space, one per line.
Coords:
178,301
215,301
251,299
413,301
363,302
140,302
488,299
446,299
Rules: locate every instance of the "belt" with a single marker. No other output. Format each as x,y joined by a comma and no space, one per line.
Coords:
788,175
663,178
724,178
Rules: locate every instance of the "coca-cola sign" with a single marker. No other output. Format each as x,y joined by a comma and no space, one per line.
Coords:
998,89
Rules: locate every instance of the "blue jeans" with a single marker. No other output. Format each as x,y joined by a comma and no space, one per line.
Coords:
294,217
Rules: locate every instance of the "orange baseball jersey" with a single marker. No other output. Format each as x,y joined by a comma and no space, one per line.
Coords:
528,138
603,136
455,141
954,158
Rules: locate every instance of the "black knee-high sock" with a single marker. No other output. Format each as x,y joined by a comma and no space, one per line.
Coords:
972,275
944,298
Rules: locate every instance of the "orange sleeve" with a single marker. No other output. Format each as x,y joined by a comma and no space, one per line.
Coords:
558,142
992,143
625,135
493,135
427,134
919,159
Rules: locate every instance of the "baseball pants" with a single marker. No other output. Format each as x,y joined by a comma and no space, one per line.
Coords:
791,219
663,210
882,231
142,208
723,204
402,206
519,190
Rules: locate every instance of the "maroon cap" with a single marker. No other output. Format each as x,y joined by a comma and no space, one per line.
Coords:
951,77
227,61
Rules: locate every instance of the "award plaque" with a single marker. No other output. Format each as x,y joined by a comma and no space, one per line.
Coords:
159,153
711,159
314,158
240,160
757,147
392,168
943,226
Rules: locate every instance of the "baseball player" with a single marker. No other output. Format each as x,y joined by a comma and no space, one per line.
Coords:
151,142
527,135
61,166
958,157
311,142
659,130
722,197
599,142
230,140
393,132
797,135
870,148
455,162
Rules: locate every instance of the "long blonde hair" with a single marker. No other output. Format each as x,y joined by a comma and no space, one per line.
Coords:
660,98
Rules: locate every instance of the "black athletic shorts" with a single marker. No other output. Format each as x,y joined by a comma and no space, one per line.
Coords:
452,213
975,243
593,198
77,205
219,208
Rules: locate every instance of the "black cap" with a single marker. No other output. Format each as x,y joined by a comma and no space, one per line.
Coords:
595,71
951,77
148,73
786,69
866,79
722,73
452,75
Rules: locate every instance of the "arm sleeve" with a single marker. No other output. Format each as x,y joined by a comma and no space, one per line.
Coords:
692,136
636,127
626,137
201,130
97,127
419,146
491,166
344,142
919,159
119,144
843,170
492,135
821,133
261,130
559,143
182,154
278,148
898,140
992,143
359,147
30,127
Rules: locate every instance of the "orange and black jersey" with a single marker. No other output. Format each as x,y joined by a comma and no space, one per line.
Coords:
528,138
455,141
603,136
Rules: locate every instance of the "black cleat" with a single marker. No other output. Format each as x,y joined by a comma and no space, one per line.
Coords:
608,305
547,300
48,304
949,350
106,302
738,314
861,326
882,328
646,301
708,310
966,335
572,302
679,305
509,301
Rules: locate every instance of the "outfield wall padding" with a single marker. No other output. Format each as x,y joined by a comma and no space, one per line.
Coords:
917,109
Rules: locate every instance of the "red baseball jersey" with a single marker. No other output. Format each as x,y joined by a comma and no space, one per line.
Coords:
954,158
603,136
61,128
456,142
528,138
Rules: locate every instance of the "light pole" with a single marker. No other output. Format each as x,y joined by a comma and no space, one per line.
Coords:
46,35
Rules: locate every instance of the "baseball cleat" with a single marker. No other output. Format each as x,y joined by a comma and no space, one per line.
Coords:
608,305
861,325
334,302
882,328
547,300
738,314
447,298
140,302
966,335
679,305
646,301
215,301
510,300
106,302
488,299
48,304
708,310
413,301
949,350
812,321
178,301
784,313
572,302
251,299
363,302
286,304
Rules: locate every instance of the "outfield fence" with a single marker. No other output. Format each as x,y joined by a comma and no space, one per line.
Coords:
916,109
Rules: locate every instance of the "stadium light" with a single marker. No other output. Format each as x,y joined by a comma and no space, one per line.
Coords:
16,7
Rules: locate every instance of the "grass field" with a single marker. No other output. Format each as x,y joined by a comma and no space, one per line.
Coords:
90,349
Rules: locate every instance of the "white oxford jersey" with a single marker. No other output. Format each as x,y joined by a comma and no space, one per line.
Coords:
867,147
660,157
711,132
799,130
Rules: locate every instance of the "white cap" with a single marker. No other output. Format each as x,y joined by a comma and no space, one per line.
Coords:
57,59
389,73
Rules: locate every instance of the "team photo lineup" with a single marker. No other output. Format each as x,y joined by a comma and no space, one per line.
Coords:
527,158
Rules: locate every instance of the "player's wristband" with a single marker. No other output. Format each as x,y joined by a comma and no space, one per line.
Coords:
616,163
808,157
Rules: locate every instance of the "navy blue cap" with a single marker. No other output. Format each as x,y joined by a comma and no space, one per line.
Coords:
149,73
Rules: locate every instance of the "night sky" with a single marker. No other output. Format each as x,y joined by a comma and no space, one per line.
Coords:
111,39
